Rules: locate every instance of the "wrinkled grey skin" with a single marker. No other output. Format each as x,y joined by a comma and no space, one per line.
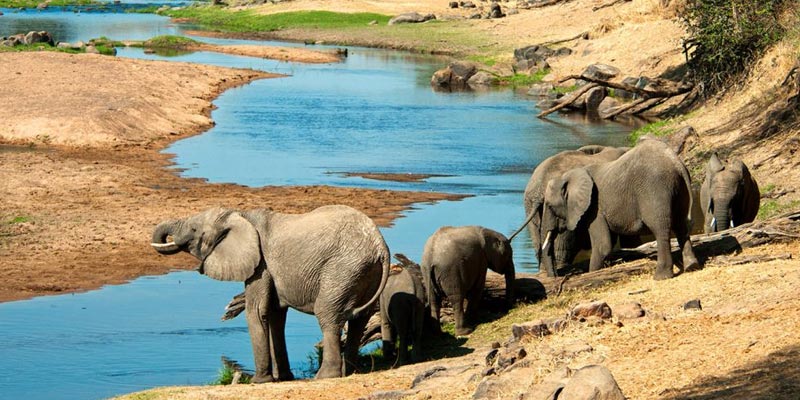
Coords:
566,243
331,262
729,195
403,309
646,190
454,264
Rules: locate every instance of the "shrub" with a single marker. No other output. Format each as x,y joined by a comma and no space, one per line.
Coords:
726,36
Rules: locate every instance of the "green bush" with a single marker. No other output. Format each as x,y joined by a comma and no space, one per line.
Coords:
726,36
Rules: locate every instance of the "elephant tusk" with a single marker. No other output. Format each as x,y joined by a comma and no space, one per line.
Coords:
165,247
731,223
546,241
713,222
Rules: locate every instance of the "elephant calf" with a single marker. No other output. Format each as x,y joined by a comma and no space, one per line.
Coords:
454,264
729,195
402,308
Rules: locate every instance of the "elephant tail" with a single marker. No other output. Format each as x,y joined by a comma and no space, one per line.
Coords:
687,179
524,224
385,260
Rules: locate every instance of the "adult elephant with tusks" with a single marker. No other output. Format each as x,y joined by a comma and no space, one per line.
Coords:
646,190
565,243
729,195
454,263
331,262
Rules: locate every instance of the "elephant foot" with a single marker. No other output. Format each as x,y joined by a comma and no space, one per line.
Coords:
258,378
286,377
663,273
328,372
463,331
693,265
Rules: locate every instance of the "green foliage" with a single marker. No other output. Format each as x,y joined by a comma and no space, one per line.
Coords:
565,89
35,47
483,59
19,220
726,36
658,128
771,208
767,188
225,376
524,79
221,19
169,42
314,361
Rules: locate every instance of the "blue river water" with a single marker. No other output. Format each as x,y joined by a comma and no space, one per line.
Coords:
374,112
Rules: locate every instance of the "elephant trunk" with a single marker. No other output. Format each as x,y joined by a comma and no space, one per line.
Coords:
722,217
160,234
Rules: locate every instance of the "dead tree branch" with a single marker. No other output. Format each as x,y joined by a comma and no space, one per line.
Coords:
609,4
568,99
582,35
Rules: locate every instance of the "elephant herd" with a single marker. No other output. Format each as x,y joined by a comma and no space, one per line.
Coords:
334,263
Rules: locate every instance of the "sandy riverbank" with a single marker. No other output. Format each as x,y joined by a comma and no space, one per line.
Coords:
84,183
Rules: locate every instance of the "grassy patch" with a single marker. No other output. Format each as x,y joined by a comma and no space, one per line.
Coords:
169,42
34,3
767,188
771,208
524,79
19,220
225,377
220,19
35,47
658,128
565,89
488,61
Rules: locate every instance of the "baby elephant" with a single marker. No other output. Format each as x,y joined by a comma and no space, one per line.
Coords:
454,265
402,305
729,195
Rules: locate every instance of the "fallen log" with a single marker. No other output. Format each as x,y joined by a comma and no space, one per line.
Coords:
609,4
582,35
663,89
546,3
623,108
568,99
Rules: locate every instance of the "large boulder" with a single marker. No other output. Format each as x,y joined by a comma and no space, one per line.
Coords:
481,79
593,382
35,37
454,77
495,11
602,72
411,18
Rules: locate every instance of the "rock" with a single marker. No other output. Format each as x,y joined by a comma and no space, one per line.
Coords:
563,51
541,89
547,104
639,82
532,329
495,11
1,13
488,389
557,325
427,374
92,50
575,348
629,310
389,395
467,4
64,45
453,4
482,78
41,6
533,53
411,18
476,16
550,387
592,100
509,356
600,71
606,106
495,345
593,382
491,356
488,371
593,309
453,77
373,22
693,305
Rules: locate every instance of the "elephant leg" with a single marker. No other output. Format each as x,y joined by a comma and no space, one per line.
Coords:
403,339
280,358
458,315
565,249
436,306
474,300
258,326
689,261
664,263
600,236
355,330
416,329
388,339
331,366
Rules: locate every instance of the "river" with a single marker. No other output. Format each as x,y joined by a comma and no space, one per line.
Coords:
375,112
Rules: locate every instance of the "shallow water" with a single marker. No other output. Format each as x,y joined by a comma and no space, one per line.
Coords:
375,112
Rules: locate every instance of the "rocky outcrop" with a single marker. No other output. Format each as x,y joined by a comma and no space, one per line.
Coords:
411,18
454,77
535,57
32,37
593,382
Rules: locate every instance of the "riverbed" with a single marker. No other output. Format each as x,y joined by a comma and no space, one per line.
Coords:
375,112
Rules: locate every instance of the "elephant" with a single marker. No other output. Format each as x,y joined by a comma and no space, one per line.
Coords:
331,262
646,190
454,263
403,310
566,244
729,195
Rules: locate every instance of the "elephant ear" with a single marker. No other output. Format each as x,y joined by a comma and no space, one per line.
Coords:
714,165
237,252
740,169
578,195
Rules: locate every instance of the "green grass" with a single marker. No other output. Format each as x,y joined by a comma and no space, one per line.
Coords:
488,61
565,89
517,80
34,3
768,188
225,377
19,220
35,47
169,42
658,128
221,19
771,208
